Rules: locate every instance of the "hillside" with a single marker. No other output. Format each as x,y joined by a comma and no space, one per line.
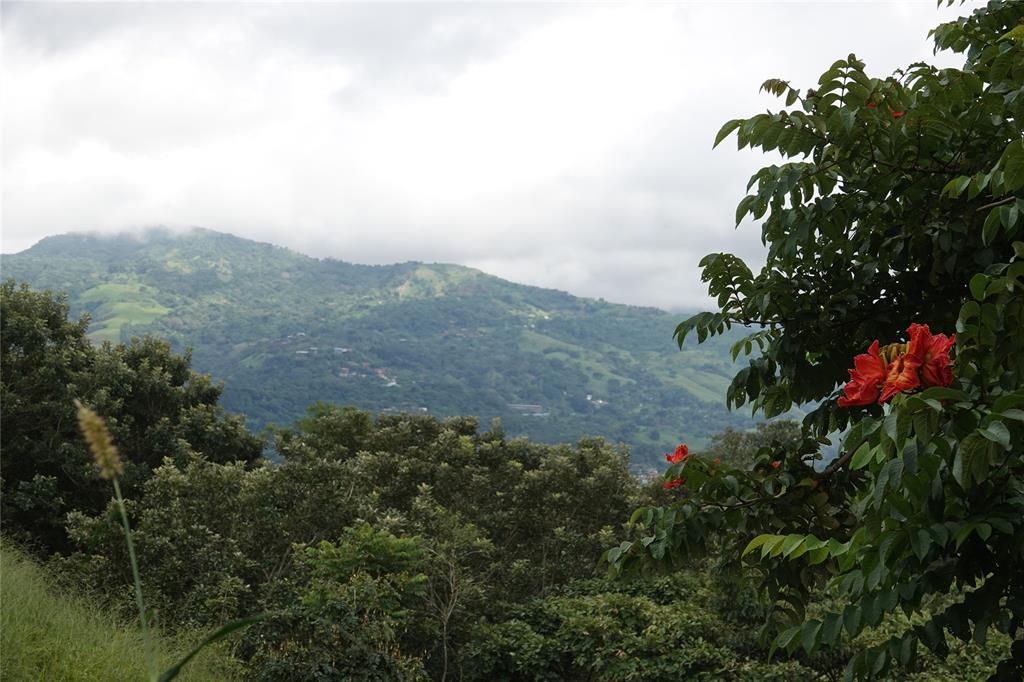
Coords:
283,330
50,633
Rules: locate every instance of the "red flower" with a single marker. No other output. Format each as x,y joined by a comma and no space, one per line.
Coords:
866,377
933,352
871,105
669,485
681,453
897,114
718,460
901,376
776,465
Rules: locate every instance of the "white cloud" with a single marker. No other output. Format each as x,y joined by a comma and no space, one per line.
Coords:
564,145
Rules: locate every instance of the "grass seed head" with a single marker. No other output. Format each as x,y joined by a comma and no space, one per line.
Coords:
96,434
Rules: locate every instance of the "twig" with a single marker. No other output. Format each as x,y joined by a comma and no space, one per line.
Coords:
1007,200
837,464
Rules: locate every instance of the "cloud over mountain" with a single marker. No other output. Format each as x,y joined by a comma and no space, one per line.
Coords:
560,145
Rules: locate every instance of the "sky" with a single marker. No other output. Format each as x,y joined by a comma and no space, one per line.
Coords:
559,145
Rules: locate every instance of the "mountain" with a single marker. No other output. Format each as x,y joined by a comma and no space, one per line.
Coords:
283,330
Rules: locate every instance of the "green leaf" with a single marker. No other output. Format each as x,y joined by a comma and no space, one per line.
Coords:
861,458
817,556
773,542
960,474
997,433
757,542
940,533
847,116
943,393
725,130
872,610
1013,166
920,542
790,544
977,285
972,457
831,628
1008,216
1001,525
956,186
991,227
852,619
809,635
962,534
907,649
744,207
879,661
783,640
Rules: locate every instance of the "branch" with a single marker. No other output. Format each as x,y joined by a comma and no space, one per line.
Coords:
837,464
1007,200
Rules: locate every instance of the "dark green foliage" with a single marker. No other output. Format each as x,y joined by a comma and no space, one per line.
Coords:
904,207
155,405
404,547
45,469
284,330
666,630
493,516
741,449
343,612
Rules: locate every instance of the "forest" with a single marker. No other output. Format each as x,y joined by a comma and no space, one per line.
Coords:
403,546
436,339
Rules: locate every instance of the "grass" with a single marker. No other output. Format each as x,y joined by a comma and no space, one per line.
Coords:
429,281
50,634
122,303
598,371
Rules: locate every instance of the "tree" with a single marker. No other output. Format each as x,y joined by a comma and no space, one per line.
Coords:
741,448
900,206
155,404
43,355
344,619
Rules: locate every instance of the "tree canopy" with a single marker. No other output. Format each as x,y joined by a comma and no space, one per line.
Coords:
898,206
155,404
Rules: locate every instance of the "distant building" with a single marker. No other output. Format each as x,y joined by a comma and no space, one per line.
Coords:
525,408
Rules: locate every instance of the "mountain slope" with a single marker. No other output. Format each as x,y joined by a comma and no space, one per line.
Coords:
284,330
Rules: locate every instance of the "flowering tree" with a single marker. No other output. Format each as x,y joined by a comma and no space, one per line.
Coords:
894,235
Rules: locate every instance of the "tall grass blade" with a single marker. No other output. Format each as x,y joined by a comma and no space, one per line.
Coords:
174,670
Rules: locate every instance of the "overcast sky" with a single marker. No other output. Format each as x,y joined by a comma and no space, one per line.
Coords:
561,145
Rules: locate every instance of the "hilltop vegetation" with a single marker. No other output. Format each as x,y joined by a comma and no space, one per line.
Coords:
283,330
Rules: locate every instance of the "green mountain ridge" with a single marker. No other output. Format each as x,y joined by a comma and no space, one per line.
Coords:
283,330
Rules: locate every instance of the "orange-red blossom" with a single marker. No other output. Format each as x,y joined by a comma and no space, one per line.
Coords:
681,453
880,374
